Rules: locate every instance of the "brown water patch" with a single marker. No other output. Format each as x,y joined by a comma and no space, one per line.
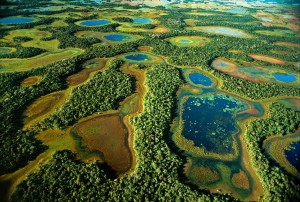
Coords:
160,29
31,81
240,180
288,44
44,105
144,48
267,59
283,52
108,135
84,74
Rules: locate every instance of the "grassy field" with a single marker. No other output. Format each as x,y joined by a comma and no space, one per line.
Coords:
84,74
37,61
29,81
36,41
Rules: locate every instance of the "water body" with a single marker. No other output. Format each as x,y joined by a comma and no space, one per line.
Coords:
185,41
225,31
15,20
293,155
201,79
266,19
137,57
117,37
210,121
142,20
287,78
6,50
95,22
237,10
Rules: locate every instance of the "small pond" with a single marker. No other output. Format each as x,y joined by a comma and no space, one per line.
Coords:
117,37
142,20
142,58
137,57
6,50
94,22
237,10
15,20
225,31
201,79
285,77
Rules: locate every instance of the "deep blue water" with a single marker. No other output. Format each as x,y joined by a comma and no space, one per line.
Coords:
94,22
293,155
8,21
210,121
142,20
285,77
198,78
138,57
185,41
116,37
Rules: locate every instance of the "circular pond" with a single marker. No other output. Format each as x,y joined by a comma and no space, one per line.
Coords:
15,20
287,78
188,41
142,58
142,20
117,37
93,23
198,78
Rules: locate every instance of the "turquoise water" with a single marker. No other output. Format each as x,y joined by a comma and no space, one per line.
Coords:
266,19
201,79
237,10
142,20
285,77
95,22
116,37
5,50
224,30
185,41
210,121
137,57
293,155
8,21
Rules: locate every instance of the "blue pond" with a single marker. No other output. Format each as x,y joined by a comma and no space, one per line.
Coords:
293,155
285,77
198,78
116,37
8,21
142,20
210,121
95,22
185,41
137,57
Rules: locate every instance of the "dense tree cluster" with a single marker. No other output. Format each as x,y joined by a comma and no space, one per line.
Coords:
102,93
23,52
123,19
156,175
277,184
